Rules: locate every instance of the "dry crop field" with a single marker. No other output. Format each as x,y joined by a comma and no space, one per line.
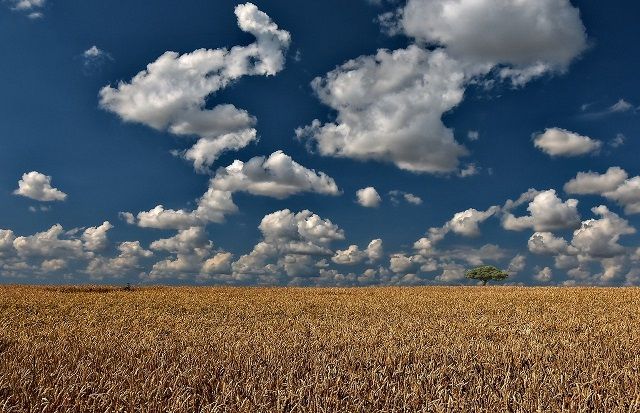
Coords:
432,349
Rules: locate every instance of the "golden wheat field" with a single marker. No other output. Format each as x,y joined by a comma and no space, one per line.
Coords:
432,349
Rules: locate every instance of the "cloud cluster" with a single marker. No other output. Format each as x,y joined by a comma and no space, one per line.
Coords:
614,184
277,176
171,94
596,240
390,105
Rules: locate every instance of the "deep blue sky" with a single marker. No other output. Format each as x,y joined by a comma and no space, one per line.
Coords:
52,123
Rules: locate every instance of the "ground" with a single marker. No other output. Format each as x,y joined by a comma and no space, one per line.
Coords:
431,349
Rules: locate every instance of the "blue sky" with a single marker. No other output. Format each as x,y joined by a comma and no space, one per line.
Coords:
321,143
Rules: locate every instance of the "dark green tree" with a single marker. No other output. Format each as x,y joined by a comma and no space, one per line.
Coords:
485,273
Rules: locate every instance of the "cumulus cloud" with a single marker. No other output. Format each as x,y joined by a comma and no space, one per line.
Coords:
531,37
293,243
193,256
614,184
517,264
547,243
37,186
547,213
544,275
599,237
277,176
95,238
465,223
130,254
561,142
595,183
389,108
171,93
390,105
368,197
354,255
213,206
48,244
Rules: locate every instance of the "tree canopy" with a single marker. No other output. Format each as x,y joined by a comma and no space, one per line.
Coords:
486,273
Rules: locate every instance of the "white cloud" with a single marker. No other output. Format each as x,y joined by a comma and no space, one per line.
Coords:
171,93
95,238
48,244
469,170
389,109
213,206
547,212
353,255
599,237
465,223
277,176
291,242
561,142
130,253
532,37
627,195
37,186
595,183
547,243
473,135
614,184
544,275
517,264
368,197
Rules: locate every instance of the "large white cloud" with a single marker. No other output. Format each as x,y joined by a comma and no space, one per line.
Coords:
37,186
277,176
561,142
49,244
533,37
171,93
389,109
547,213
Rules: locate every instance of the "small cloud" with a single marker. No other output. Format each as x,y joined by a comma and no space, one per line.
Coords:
473,135
368,197
397,196
93,59
617,141
620,106
41,208
297,57
30,7
469,170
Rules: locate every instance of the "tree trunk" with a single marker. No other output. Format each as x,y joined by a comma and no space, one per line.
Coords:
484,282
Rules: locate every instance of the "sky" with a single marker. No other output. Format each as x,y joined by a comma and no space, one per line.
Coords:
319,143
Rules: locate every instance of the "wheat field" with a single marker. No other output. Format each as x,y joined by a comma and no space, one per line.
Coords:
431,349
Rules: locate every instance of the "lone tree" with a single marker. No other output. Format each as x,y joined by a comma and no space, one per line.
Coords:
485,273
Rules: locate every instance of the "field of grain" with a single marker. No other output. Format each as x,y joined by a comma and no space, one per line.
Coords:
463,349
